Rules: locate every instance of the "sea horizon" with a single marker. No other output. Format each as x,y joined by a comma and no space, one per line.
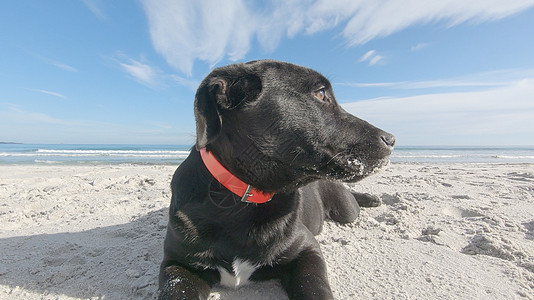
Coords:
97,154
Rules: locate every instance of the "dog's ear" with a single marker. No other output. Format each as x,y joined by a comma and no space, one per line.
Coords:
207,116
245,88
219,94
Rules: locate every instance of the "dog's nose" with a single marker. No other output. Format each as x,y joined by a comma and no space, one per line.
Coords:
388,139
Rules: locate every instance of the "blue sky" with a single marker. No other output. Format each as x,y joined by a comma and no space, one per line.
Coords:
448,72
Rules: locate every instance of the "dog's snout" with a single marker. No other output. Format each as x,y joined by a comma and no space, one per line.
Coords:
388,139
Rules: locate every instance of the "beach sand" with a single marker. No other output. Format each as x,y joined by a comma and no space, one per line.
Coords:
444,231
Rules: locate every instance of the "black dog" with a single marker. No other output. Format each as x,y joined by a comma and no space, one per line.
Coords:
249,199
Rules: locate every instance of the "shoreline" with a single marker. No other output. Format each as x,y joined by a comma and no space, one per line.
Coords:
444,230
176,164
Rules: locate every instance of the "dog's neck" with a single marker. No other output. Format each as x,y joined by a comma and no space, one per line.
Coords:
247,192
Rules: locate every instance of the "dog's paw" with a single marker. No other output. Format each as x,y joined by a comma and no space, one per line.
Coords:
179,283
174,289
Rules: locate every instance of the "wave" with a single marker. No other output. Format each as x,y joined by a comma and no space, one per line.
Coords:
99,153
40,161
448,156
93,154
426,156
515,156
104,152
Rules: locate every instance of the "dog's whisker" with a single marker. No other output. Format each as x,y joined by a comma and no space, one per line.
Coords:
333,157
298,153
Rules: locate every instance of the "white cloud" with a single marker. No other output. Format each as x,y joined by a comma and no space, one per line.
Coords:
498,115
498,78
62,66
20,125
376,59
12,114
371,57
94,7
209,30
152,76
367,55
54,63
374,19
419,47
190,83
142,72
183,31
49,93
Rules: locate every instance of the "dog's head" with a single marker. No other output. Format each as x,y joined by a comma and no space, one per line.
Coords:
277,126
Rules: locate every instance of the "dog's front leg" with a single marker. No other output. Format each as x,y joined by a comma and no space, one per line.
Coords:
307,277
177,282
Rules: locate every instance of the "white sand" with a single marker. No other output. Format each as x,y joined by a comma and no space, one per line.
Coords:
444,232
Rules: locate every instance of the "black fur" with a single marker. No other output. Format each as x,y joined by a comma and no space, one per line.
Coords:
265,123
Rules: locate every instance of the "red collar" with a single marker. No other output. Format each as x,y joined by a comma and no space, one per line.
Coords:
234,184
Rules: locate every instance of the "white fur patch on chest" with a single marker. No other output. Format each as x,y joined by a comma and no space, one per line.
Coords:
242,270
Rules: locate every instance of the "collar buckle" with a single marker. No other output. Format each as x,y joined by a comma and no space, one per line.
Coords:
247,194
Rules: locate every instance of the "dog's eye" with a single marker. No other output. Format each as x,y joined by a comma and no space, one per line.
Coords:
321,94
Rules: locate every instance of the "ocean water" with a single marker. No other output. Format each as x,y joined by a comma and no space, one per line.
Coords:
492,154
92,154
175,154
